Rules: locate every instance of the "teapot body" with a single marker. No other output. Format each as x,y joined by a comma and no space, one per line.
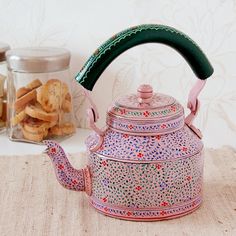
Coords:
147,163
146,178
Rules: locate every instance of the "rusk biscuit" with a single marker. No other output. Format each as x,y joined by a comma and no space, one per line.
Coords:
1,107
24,100
55,131
4,111
68,128
38,113
22,91
64,129
36,137
52,94
18,118
34,84
2,123
2,81
66,104
37,126
29,87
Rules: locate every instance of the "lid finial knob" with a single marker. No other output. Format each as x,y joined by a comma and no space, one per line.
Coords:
145,93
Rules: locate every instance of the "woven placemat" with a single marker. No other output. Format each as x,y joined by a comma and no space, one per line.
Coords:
33,203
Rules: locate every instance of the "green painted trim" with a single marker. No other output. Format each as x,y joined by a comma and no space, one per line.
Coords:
134,36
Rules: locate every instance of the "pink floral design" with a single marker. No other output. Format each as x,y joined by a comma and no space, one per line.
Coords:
53,150
129,213
189,177
173,108
130,126
163,126
122,111
104,199
104,163
138,188
146,113
60,166
105,209
140,154
164,203
162,213
158,166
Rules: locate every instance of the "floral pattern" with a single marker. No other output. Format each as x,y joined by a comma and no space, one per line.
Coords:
141,127
151,177
150,215
162,186
180,144
161,112
68,177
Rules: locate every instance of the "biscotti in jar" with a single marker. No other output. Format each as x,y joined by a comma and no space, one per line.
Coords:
3,94
39,94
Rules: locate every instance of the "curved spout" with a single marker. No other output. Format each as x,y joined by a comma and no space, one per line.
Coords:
67,176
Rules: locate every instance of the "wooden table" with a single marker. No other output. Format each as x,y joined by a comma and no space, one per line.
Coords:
33,203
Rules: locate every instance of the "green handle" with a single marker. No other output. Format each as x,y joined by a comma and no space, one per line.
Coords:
131,37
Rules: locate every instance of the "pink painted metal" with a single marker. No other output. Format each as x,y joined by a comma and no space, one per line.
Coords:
145,93
67,176
146,164
193,94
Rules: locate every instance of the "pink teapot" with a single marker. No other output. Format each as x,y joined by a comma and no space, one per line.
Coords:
146,164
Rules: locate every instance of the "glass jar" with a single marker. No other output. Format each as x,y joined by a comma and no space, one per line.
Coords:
39,94
3,99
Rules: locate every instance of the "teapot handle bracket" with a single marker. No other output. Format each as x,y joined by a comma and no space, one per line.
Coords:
92,104
91,118
193,102
193,95
189,119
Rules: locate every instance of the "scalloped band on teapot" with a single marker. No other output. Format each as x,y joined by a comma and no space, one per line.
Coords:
145,128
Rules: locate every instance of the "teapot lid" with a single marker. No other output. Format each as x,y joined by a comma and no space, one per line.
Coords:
146,113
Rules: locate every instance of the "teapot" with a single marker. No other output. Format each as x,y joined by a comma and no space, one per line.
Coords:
146,164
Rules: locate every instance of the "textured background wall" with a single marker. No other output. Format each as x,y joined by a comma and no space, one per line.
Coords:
82,26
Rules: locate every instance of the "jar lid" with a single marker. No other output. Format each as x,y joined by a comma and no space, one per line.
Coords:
146,112
38,60
3,48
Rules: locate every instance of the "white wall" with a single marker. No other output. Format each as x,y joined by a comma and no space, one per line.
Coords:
82,26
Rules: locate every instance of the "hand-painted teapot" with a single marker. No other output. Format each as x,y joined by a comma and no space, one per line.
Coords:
147,163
